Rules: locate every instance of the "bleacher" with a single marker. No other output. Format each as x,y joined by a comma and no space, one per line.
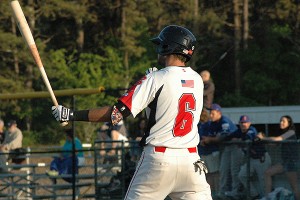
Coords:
29,180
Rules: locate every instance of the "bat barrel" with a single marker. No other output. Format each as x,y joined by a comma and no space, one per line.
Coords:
28,37
22,22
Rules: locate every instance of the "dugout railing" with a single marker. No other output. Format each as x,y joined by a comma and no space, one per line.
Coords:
104,176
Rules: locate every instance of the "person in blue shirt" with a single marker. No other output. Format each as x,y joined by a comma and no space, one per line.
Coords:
259,158
220,128
209,153
64,163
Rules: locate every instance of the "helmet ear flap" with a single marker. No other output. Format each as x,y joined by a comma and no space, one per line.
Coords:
165,46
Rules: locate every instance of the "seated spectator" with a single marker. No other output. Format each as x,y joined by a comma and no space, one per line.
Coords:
136,137
12,141
209,153
259,158
63,164
103,134
2,133
118,133
289,154
111,136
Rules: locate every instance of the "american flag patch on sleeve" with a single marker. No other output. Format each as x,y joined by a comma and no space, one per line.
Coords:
187,83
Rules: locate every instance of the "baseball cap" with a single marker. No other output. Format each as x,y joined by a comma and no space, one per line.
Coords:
244,118
69,132
11,122
215,106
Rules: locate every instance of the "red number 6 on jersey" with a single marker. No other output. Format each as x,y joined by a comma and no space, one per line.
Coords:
185,117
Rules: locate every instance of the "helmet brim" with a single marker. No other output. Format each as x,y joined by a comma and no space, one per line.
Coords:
156,40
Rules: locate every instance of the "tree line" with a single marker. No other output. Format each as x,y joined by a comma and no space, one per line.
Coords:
250,47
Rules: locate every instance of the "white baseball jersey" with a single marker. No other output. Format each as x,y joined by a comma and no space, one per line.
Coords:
175,98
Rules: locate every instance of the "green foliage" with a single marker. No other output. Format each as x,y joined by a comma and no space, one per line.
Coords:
283,31
282,9
113,69
28,139
268,67
212,24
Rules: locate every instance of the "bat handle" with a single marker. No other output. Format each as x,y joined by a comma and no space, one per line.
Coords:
64,123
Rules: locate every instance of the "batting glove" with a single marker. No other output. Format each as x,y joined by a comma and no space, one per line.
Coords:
150,70
201,166
61,113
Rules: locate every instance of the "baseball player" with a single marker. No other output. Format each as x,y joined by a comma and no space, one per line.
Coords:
169,165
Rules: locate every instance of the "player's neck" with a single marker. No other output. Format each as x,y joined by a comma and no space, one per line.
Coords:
173,61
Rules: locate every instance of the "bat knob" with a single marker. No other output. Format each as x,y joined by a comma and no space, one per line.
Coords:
64,123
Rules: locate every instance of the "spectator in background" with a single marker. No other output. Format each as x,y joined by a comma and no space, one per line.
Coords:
2,133
209,153
220,128
103,134
64,163
209,89
136,137
121,128
118,133
12,141
114,134
259,158
111,138
289,153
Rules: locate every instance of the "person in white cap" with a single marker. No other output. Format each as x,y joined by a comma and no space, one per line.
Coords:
13,140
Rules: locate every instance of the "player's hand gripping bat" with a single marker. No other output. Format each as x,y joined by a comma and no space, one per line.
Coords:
27,35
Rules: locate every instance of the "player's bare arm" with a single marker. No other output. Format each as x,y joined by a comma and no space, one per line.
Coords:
64,114
113,114
100,114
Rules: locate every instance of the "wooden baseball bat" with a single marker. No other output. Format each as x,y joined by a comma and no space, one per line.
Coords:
27,35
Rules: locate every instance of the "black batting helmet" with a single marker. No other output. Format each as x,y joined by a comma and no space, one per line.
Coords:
175,39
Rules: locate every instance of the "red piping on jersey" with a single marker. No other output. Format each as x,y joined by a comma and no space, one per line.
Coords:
160,149
163,149
127,97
